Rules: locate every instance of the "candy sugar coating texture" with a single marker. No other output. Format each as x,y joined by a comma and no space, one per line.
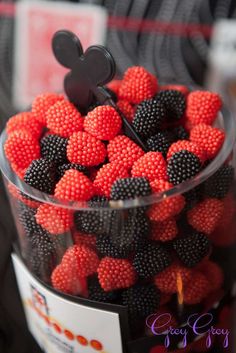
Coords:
149,117
21,148
42,103
62,219
85,149
167,280
103,122
64,119
202,107
25,121
174,103
41,175
137,85
53,148
123,150
151,166
160,142
74,186
123,224
115,274
141,300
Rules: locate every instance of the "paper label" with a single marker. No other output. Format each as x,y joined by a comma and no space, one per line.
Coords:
36,69
62,326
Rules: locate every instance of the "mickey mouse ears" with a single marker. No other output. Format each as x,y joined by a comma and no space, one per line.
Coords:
89,71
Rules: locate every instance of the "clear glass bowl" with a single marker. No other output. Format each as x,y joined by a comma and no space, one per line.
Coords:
121,229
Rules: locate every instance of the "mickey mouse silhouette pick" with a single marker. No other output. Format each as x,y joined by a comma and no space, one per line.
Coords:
89,71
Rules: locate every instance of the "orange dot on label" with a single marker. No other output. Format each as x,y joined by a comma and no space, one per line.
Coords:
96,345
69,335
82,340
57,328
47,320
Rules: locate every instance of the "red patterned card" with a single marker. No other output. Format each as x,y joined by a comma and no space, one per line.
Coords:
36,69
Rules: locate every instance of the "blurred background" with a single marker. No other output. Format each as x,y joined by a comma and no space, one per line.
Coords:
186,41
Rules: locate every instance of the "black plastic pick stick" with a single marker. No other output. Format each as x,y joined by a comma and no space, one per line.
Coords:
89,71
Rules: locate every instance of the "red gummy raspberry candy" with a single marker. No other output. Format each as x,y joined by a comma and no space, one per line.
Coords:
168,280
56,220
66,280
137,85
25,121
103,122
197,289
209,138
85,149
164,231
64,119
82,259
151,165
115,274
124,151
169,207
205,216
203,107
21,148
42,103
74,186
88,240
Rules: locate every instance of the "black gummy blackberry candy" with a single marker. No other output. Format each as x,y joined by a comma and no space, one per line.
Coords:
53,148
44,245
67,166
89,222
41,267
130,188
149,117
218,185
132,234
106,248
182,166
95,292
142,300
174,102
192,249
99,220
160,142
41,175
28,221
98,202
151,259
